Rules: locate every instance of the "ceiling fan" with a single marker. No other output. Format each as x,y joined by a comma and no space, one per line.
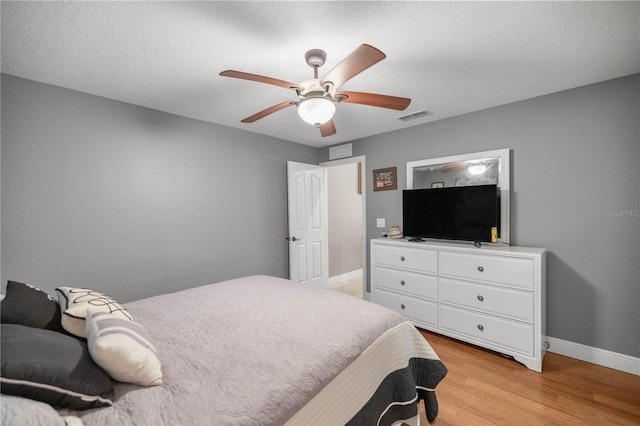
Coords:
316,98
473,167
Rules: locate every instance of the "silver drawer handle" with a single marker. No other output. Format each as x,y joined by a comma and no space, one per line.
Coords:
480,298
402,306
481,268
402,282
480,327
402,258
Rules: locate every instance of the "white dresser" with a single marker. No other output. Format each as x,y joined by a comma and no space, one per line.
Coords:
490,296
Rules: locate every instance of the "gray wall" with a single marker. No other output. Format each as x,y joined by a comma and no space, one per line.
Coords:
105,194
575,163
345,219
133,201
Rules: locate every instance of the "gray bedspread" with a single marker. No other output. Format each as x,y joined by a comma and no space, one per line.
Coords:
250,351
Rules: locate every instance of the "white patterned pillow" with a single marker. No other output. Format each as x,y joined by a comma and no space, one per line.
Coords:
74,303
122,348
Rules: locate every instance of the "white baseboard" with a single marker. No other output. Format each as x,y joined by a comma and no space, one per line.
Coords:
603,357
349,275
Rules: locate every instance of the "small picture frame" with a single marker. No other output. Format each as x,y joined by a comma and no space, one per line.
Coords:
437,184
385,179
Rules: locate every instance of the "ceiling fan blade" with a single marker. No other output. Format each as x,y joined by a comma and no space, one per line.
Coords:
268,111
372,99
328,128
260,79
357,61
452,167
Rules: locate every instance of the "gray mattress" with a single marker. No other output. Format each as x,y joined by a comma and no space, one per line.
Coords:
260,351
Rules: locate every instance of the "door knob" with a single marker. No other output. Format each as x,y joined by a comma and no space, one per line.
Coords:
292,239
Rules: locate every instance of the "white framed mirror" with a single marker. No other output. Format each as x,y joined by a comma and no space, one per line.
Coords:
478,168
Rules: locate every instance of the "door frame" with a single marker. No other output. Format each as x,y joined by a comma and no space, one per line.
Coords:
351,160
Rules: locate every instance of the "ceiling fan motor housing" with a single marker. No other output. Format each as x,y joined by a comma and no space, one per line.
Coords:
315,58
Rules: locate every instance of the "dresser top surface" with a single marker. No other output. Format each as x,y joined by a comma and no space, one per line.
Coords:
467,246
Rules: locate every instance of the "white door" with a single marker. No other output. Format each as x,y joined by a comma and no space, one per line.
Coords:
308,229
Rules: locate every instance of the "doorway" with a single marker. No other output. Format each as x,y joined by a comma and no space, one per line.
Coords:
347,225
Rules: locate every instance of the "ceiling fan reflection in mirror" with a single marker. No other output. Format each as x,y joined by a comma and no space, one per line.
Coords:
475,167
317,98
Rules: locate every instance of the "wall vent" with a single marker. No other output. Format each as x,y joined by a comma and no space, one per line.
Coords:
340,151
415,115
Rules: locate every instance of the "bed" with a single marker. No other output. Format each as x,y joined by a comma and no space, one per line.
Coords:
262,350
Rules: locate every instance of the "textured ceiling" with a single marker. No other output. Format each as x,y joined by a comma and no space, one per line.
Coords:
451,58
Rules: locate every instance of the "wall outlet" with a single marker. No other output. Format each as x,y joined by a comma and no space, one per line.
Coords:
381,222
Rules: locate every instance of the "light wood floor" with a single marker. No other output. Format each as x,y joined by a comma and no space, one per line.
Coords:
484,388
352,287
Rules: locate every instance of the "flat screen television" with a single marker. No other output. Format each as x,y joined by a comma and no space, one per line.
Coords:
455,213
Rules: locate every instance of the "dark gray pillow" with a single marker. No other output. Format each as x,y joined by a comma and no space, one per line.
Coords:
51,367
27,305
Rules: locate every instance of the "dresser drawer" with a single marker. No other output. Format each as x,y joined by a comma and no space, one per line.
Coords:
414,259
417,309
407,282
504,270
516,304
513,335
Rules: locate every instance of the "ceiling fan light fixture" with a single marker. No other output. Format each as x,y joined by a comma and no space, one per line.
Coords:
477,169
316,110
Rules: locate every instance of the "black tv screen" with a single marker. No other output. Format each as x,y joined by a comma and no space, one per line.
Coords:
454,213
